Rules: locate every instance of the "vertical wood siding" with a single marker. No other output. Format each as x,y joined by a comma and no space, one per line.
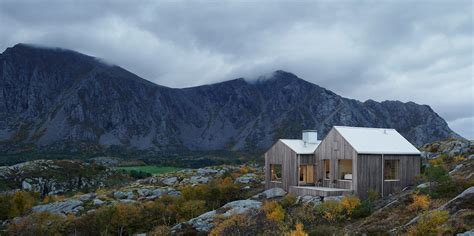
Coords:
334,147
370,173
281,154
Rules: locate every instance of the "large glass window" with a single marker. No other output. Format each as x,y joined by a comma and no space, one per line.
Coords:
306,174
390,169
275,172
326,169
345,169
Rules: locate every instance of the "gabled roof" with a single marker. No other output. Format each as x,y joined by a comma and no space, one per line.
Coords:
300,147
376,140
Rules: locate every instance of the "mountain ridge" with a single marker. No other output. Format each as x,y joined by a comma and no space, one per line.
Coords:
57,99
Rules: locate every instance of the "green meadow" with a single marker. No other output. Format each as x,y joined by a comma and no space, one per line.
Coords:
150,169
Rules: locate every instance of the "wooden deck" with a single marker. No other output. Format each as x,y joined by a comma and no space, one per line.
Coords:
318,191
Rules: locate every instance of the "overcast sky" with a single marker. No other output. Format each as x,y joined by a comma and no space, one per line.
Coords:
419,51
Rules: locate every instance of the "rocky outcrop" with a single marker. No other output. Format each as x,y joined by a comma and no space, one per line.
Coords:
64,207
270,193
60,100
49,177
204,222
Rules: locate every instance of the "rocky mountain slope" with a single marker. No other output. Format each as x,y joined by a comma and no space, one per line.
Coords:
56,100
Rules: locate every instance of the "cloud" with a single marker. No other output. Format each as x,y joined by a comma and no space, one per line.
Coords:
391,50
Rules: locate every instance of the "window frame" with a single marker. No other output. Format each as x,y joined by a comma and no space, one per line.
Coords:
395,170
339,174
327,172
278,179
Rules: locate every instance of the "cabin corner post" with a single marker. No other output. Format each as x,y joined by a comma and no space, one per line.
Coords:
383,166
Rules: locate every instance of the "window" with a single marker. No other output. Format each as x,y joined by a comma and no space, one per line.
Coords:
275,172
345,169
306,174
390,169
326,169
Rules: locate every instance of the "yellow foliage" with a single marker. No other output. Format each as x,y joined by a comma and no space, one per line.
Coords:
332,210
458,158
235,225
349,204
21,202
430,223
101,191
274,211
161,230
298,231
245,170
437,161
420,202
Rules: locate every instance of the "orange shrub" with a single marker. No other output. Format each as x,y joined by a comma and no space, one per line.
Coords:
349,204
274,211
420,202
298,231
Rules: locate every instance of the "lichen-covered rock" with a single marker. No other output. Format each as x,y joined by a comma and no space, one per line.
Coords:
270,193
204,222
207,171
97,202
63,207
170,181
246,179
464,200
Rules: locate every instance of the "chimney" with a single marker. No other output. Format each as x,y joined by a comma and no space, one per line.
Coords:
310,136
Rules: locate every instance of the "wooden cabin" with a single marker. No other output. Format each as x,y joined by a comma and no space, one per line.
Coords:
348,160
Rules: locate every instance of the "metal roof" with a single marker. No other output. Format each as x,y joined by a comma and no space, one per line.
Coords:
376,140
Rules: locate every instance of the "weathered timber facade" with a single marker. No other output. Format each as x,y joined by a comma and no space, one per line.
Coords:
339,166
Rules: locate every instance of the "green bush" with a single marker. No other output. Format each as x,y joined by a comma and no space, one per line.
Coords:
362,210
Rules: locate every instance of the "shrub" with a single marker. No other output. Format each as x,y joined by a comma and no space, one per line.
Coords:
138,174
420,202
235,225
39,224
298,231
161,230
364,209
288,201
21,202
274,211
372,195
349,204
331,211
430,223
305,214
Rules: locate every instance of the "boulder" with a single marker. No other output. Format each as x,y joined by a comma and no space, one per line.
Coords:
461,201
270,193
204,222
246,179
130,195
120,195
456,169
309,199
333,198
467,233
196,180
97,202
87,196
64,207
25,185
206,171
170,181
144,192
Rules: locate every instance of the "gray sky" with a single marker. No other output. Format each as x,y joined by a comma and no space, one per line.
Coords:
419,51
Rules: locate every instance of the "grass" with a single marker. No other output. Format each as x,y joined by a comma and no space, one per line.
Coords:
150,169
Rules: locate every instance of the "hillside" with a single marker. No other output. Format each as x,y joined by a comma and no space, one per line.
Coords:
59,100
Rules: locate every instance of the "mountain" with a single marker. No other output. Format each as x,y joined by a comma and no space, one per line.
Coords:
60,100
